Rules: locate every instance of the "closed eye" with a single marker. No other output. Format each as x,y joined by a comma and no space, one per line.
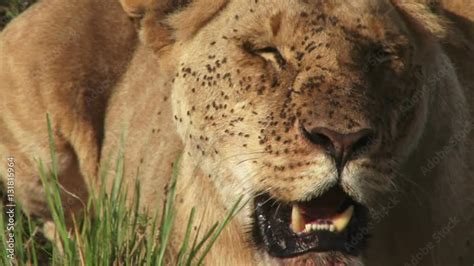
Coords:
384,56
269,53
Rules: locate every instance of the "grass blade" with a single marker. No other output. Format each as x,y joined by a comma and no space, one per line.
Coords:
235,209
168,214
187,236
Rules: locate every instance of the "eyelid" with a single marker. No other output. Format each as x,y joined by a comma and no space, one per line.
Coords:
279,59
268,49
385,52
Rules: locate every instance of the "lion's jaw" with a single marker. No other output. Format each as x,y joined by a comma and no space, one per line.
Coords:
250,103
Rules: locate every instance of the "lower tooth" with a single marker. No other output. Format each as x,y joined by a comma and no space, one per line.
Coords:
319,227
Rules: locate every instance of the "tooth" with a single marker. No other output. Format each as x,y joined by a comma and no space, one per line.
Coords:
315,227
297,220
332,228
307,228
340,222
326,227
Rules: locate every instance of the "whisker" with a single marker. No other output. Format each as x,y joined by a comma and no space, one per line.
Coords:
246,160
242,154
277,210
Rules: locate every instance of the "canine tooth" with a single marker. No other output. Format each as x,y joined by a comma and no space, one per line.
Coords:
340,222
332,228
297,220
307,228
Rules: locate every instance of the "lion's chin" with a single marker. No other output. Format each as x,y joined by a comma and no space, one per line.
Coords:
325,228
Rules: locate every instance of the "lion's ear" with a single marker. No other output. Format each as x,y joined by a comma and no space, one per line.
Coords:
421,19
162,22
195,16
138,8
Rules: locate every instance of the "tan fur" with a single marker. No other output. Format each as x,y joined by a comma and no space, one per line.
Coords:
421,16
174,97
66,68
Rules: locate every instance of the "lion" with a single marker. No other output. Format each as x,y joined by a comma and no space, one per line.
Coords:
63,68
344,125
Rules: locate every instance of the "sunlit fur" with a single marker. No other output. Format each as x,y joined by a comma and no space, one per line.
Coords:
237,115
197,86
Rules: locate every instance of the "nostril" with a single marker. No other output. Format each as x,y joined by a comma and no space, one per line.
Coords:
341,146
362,145
321,140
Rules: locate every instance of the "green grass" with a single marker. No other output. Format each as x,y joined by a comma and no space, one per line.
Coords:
112,231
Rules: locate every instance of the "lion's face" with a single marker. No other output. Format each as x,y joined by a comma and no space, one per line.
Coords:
306,106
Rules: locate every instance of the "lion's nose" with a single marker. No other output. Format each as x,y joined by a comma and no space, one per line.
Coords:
343,147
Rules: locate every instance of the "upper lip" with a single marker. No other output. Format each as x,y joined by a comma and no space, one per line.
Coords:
277,231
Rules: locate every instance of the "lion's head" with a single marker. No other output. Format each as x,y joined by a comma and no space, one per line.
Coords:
310,108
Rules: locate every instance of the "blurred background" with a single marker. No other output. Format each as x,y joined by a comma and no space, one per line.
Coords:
11,8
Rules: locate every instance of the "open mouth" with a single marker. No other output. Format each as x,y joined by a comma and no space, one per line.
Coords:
331,222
